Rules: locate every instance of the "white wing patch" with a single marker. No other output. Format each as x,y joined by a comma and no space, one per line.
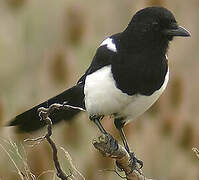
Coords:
109,44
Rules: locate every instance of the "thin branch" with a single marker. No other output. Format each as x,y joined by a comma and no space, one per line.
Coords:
105,145
60,173
44,114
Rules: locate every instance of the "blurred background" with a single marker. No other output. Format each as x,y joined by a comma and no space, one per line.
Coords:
45,46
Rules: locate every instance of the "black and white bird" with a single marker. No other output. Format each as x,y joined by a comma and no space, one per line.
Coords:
128,74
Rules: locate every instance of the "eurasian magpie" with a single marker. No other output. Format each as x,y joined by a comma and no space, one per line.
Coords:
127,75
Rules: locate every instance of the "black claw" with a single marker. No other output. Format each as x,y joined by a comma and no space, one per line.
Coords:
140,163
134,161
119,167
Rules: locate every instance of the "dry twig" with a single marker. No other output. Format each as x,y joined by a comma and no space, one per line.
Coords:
104,144
44,115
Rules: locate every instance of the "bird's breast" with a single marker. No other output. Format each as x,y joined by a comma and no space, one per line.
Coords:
140,103
101,94
102,97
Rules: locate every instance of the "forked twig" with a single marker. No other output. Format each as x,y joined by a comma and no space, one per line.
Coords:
44,115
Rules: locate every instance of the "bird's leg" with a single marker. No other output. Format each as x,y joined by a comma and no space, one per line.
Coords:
133,160
96,119
111,142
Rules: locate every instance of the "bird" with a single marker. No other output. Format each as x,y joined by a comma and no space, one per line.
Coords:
127,75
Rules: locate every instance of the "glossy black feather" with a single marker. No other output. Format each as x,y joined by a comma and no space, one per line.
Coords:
138,68
30,121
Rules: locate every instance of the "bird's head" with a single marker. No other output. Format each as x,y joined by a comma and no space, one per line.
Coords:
156,22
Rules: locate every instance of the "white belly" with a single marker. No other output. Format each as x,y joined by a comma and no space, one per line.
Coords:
103,98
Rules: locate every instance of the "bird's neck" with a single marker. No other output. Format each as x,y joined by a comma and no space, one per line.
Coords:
139,42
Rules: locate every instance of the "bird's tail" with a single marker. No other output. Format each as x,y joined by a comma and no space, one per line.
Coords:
30,120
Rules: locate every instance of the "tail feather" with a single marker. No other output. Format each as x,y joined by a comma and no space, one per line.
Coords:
30,121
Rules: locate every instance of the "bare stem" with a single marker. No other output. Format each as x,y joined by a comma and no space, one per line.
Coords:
108,149
44,115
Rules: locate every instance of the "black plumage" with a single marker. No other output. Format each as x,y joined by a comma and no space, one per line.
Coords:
30,120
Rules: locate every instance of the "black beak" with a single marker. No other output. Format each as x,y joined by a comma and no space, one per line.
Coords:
179,31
